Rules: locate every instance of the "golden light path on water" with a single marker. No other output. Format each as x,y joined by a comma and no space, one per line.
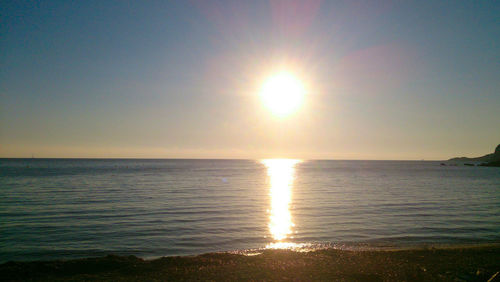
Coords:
281,173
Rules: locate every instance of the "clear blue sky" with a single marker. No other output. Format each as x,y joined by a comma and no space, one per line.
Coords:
387,80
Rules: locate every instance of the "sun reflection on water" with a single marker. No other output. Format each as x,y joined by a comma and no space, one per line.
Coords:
281,175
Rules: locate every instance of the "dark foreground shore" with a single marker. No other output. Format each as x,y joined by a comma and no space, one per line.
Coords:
445,264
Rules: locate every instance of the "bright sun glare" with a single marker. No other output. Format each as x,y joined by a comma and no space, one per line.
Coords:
281,175
282,93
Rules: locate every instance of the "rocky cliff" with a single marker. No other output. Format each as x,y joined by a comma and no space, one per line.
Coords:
492,159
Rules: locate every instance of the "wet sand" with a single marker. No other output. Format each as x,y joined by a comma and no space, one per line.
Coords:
477,263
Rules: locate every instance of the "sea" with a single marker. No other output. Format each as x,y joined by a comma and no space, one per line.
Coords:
75,208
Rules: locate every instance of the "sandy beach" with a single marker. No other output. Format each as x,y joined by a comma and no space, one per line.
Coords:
479,263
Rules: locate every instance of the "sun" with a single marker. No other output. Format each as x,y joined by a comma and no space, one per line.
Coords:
282,93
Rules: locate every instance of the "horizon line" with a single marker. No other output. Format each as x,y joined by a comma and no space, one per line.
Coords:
247,159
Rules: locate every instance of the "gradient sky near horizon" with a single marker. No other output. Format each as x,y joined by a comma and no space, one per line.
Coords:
180,79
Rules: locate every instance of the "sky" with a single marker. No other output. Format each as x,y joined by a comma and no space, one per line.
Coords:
180,79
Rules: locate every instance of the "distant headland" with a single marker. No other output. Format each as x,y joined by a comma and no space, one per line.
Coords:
492,159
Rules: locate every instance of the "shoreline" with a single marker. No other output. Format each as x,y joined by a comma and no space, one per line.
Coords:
299,247
448,263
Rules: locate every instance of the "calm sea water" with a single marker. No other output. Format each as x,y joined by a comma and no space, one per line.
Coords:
80,208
